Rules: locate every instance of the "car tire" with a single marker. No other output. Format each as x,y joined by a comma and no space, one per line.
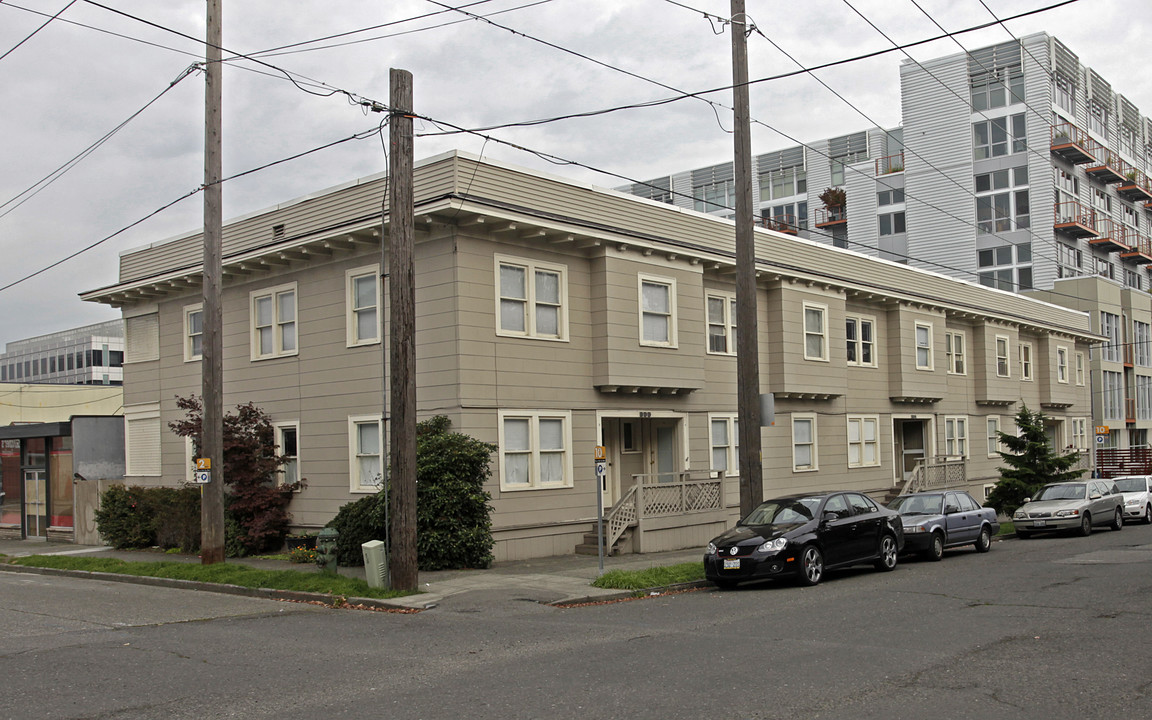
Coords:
1085,524
935,549
889,554
725,584
1023,534
811,565
984,540
1118,520
1148,514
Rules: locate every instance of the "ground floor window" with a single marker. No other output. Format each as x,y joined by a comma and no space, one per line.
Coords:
535,450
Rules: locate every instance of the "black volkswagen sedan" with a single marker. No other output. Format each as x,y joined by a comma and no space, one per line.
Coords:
803,536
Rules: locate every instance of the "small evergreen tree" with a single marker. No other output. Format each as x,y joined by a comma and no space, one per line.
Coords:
1032,463
256,507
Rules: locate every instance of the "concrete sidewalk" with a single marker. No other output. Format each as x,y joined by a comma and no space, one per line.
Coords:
557,580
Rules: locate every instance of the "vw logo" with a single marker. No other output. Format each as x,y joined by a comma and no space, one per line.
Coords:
733,551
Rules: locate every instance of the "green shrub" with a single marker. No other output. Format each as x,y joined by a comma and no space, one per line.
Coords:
358,522
176,517
124,518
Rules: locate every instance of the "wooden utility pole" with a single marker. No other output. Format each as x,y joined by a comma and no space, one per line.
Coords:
211,364
402,296
747,337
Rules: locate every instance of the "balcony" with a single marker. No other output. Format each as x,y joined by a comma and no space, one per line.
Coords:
1074,220
1108,168
831,217
1135,187
1130,410
1111,236
890,164
1139,249
786,224
1073,144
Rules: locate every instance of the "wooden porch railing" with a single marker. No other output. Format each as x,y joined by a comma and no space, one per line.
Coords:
937,473
662,495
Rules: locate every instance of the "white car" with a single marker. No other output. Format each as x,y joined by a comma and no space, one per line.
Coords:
1137,490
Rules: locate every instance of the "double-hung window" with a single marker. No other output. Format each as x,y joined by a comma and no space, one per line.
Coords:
287,441
860,333
863,441
956,436
657,311
532,299
1062,366
535,450
1002,368
1079,368
993,435
1025,361
804,449
362,316
923,333
815,332
721,323
891,223
193,333
366,453
954,352
724,434
274,322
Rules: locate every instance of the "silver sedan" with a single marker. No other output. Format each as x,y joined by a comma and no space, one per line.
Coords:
1071,506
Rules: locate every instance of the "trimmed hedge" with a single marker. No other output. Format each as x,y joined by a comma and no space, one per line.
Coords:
141,517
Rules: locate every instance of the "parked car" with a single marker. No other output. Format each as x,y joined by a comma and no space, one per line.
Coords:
937,520
804,536
1071,506
1137,491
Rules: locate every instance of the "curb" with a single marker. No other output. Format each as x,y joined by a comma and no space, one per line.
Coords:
333,601
632,594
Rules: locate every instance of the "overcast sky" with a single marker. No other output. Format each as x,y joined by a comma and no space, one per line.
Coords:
90,69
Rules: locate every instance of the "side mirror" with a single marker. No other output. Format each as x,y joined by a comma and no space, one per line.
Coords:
1095,496
829,517
1027,500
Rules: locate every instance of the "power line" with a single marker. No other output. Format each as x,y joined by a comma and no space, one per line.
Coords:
29,37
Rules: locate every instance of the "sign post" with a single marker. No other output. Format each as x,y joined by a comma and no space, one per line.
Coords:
601,478
202,475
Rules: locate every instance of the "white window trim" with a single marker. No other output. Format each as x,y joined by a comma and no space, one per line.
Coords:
950,358
916,346
354,481
1007,355
350,277
189,460
860,319
1080,369
862,419
188,354
534,417
990,438
279,427
142,423
956,421
673,340
729,322
1062,367
815,443
823,357
1027,370
530,267
733,447
636,448
277,340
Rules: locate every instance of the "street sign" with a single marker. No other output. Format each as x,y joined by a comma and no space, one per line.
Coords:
203,463
601,468
1099,439
201,477
1102,429
600,453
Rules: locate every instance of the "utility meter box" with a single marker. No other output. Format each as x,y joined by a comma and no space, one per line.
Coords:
375,563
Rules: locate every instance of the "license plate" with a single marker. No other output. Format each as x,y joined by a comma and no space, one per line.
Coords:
1039,523
731,563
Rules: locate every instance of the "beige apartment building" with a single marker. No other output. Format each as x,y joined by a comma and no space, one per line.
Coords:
554,317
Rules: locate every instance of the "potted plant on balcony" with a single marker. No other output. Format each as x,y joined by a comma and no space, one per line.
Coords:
833,197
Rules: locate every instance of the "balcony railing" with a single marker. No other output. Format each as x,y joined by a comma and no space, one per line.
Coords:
787,224
1109,167
830,216
1111,236
1136,187
890,164
664,495
937,473
1073,144
1139,249
1130,410
1074,219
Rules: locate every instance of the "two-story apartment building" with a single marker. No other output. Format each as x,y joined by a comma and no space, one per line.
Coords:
555,316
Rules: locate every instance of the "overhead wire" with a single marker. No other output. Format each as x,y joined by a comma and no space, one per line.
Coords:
30,35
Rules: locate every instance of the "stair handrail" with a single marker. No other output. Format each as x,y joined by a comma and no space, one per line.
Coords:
621,516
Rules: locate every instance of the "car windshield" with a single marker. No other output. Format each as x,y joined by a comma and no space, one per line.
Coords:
1131,484
1061,492
918,504
786,511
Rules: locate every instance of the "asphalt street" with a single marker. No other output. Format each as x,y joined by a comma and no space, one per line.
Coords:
1054,627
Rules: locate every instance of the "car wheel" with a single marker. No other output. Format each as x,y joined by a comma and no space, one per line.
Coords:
1086,525
1118,520
725,584
935,549
888,553
1148,514
984,540
1023,534
811,565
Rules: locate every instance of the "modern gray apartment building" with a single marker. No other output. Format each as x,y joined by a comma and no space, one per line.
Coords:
1015,166
88,355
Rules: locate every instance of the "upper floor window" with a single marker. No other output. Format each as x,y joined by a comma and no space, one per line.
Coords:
839,163
657,311
1025,350
1000,89
1064,93
1079,368
891,223
1002,201
1062,365
954,352
533,299
923,346
193,333
956,436
785,182
994,445
1002,367
721,323
860,333
1098,118
998,137
1007,267
815,332
1110,328
714,196
274,322
363,305
890,197
535,450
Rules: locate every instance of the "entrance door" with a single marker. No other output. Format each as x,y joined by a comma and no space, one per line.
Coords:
35,504
911,449
663,450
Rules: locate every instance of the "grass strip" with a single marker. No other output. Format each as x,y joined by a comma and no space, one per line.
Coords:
1007,528
223,573
651,577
